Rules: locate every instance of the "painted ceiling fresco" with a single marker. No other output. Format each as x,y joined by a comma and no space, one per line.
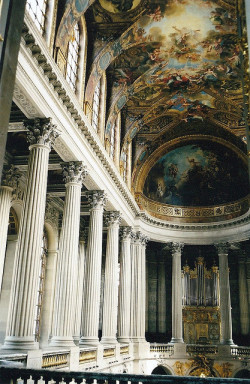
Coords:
197,174
171,65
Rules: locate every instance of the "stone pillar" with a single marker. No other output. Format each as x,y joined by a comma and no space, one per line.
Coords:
109,321
125,287
138,288
225,300
90,319
177,333
80,285
9,182
244,308
20,328
66,282
161,298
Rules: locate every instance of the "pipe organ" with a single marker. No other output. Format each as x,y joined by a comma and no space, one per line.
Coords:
200,300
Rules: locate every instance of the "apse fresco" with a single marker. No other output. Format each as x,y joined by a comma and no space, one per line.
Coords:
199,174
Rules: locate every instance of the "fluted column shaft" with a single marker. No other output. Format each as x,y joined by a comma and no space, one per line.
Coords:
20,327
138,287
109,322
244,308
93,271
225,299
5,203
80,288
65,298
9,182
125,287
177,333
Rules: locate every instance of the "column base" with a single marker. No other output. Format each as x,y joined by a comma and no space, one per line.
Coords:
227,342
123,340
89,341
176,341
61,341
108,340
20,343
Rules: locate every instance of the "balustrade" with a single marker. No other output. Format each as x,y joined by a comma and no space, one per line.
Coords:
31,376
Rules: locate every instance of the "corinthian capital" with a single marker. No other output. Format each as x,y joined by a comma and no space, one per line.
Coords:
222,248
97,199
141,238
10,177
112,218
126,233
74,172
177,247
41,131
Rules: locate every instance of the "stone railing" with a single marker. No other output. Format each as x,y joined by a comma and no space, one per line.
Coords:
17,358
31,376
162,348
194,349
240,352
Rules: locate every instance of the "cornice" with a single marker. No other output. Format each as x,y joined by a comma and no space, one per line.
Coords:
195,227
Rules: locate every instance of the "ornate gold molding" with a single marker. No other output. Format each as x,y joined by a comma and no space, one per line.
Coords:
193,214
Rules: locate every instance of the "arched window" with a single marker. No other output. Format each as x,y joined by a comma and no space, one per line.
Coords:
115,140
37,11
96,106
99,107
73,57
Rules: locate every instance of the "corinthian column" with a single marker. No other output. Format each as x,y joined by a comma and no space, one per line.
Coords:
9,183
138,288
225,299
20,327
177,334
125,287
109,322
65,298
93,270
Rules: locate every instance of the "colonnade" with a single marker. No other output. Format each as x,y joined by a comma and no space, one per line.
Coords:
78,271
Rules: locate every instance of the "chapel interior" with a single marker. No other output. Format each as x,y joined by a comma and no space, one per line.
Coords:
124,195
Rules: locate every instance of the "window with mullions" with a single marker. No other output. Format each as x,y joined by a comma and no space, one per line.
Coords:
37,11
96,106
112,140
73,56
